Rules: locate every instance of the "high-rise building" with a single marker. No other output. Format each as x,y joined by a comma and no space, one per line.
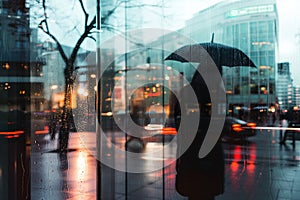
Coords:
284,86
15,97
20,74
296,97
252,27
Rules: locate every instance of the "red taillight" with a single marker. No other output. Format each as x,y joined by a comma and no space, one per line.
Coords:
45,131
168,131
12,134
251,124
237,127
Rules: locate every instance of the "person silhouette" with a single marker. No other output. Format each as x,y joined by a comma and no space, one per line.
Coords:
197,178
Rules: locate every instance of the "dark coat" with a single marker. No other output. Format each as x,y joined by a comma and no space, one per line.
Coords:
198,177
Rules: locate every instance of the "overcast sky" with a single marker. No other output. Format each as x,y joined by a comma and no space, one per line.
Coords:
289,27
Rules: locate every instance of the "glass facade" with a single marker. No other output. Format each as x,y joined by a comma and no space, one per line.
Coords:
262,53
107,99
258,38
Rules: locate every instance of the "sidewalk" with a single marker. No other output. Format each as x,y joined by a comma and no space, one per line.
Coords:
258,169
268,170
57,177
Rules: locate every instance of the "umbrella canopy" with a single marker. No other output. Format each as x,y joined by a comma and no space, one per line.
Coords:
222,55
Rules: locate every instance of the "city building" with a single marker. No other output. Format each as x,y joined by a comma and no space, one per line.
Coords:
284,86
296,97
251,26
20,72
20,85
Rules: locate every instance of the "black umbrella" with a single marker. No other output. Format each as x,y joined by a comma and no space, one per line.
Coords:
221,54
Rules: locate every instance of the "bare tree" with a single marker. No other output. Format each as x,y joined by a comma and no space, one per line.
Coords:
70,69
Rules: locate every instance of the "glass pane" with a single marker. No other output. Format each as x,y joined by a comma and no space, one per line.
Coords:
132,99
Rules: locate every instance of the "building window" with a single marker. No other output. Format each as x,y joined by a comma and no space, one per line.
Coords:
20,44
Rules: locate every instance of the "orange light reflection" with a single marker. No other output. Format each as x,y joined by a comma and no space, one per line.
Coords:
234,166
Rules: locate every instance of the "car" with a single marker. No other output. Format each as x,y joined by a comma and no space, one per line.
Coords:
153,133
160,133
237,129
234,129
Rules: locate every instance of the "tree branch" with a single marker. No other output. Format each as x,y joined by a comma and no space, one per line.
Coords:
87,32
111,12
47,31
43,25
86,15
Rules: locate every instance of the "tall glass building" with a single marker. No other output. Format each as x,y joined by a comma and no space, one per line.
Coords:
251,26
284,86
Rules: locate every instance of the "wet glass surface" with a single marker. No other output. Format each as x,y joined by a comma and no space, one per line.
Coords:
108,99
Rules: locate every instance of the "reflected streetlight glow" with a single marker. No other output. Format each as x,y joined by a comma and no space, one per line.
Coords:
54,87
81,165
83,92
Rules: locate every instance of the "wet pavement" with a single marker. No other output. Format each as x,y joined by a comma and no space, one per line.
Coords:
262,169
66,176
258,168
